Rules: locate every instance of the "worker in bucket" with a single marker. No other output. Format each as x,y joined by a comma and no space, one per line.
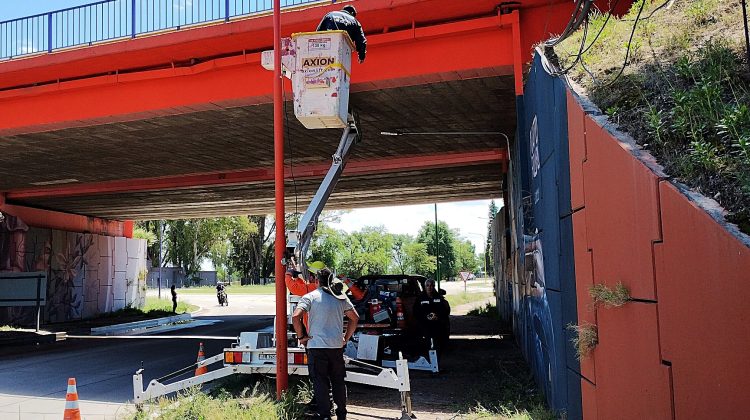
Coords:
346,20
326,308
432,312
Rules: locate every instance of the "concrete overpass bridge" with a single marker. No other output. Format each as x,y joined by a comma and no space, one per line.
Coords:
177,121
172,118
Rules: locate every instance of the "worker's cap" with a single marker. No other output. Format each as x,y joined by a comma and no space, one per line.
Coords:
351,10
316,266
331,284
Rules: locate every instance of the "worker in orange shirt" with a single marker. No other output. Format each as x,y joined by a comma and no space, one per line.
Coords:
294,281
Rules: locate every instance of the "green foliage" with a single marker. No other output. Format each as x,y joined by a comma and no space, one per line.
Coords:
685,97
466,258
367,252
257,403
242,252
701,11
461,298
163,307
446,241
489,310
327,245
141,233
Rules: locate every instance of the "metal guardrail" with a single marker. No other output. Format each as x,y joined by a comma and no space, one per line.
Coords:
139,325
117,19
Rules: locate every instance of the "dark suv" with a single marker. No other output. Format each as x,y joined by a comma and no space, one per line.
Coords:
388,302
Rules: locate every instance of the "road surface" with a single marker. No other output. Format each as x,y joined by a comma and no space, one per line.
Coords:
33,383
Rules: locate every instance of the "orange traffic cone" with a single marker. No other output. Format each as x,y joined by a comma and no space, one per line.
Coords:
71,402
200,370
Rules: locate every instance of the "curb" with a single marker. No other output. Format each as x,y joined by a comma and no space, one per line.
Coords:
32,339
140,326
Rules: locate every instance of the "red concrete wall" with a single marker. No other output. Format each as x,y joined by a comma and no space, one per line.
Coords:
680,349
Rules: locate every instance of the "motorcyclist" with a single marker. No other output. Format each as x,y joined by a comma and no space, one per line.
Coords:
220,293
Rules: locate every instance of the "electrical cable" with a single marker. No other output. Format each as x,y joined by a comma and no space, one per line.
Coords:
580,13
661,6
291,154
560,72
596,38
627,52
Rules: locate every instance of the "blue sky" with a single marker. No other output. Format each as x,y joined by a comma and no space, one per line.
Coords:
12,9
469,217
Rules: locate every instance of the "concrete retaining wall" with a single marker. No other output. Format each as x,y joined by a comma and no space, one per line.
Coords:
87,274
679,350
586,206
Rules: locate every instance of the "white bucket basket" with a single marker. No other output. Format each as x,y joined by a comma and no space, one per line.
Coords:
320,79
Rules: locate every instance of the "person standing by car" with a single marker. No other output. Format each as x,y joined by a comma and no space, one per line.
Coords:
346,20
326,308
432,312
174,300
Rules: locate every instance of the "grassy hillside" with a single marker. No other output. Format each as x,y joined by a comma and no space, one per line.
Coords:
683,94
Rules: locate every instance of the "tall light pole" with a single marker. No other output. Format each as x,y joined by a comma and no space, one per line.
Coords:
437,251
282,374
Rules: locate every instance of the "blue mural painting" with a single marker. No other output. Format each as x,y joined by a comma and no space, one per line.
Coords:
539,226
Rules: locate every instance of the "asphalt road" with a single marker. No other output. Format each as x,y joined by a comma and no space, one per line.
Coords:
33,383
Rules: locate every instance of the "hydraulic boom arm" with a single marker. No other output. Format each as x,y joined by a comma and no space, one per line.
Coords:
298,240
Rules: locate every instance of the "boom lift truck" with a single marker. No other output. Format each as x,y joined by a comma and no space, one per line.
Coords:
255,352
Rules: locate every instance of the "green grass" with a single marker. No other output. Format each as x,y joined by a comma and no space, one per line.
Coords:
456,299
242,397
683,95
489,310
155,305
254,289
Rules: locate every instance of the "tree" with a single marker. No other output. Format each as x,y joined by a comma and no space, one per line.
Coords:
418,260
410,257
367,252
466,259
493,210
446,239
245,250
188,242
327,245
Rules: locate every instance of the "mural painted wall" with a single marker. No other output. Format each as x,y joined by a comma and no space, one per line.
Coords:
539,260
87,274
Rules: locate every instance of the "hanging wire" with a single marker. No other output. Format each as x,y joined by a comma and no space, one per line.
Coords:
630,42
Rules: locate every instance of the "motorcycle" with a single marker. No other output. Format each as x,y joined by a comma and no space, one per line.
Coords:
222,296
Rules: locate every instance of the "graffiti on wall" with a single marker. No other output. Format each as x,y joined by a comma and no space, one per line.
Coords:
540,276
87,274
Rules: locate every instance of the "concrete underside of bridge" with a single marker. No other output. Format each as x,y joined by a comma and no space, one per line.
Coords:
233,150
140,130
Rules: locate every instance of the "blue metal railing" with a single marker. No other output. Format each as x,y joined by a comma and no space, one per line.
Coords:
115,19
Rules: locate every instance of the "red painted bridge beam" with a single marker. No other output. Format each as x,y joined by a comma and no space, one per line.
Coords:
47,219
436,53
353,168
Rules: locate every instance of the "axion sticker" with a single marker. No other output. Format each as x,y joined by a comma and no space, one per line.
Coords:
318,61
318,44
